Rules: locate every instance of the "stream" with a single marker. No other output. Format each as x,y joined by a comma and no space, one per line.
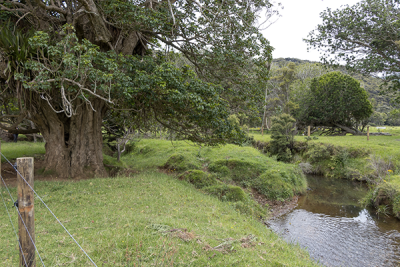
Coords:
334,228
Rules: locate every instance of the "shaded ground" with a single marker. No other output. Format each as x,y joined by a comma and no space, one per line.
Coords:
10,175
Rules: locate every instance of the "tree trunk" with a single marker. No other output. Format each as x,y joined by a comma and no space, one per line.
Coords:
73,145
349,130
34,135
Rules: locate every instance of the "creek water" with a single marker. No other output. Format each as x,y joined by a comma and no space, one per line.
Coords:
334,228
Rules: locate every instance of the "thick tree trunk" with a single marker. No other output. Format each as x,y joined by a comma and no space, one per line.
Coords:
73,145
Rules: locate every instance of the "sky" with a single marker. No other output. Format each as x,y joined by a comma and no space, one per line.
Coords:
299,17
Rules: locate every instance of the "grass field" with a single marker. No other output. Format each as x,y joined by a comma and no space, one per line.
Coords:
21,149
384,146
130,221
148,219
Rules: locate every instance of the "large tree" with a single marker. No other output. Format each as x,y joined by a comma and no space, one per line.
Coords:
70,63
365,36
335,101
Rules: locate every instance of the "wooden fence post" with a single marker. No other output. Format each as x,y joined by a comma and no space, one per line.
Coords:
26,209
367,133
309,131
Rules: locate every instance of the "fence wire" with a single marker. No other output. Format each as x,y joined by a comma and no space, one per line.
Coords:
12,224
76,242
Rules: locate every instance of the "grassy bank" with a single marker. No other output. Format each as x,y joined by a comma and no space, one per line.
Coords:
230,165
149,219
376,161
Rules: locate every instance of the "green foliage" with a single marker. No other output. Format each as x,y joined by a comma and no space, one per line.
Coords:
191,91
282,134
335,100
277,98
361,35
305,71
198,178
15,45
317,152
396,205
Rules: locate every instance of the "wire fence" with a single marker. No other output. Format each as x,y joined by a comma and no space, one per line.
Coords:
25,261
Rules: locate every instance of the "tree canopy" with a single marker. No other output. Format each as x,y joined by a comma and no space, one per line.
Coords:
365,36
70,64
337,101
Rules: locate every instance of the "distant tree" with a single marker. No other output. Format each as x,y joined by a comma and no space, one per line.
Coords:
378,118
300,87
277,92
337,102
365,36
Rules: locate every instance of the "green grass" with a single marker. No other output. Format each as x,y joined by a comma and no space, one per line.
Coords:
21,149
243,166
384,146
126,220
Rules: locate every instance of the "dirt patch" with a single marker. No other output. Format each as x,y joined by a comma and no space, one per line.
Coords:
276,208
182,234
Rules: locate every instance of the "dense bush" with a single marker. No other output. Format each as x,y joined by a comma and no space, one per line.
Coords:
318,152
282,135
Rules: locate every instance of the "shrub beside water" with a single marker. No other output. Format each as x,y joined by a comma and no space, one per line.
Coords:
385,194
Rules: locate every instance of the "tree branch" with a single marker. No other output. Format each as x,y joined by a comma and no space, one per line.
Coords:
51,7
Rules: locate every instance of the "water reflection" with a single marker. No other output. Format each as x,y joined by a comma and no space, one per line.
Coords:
337,231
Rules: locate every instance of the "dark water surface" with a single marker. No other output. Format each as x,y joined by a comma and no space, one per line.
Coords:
336,230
